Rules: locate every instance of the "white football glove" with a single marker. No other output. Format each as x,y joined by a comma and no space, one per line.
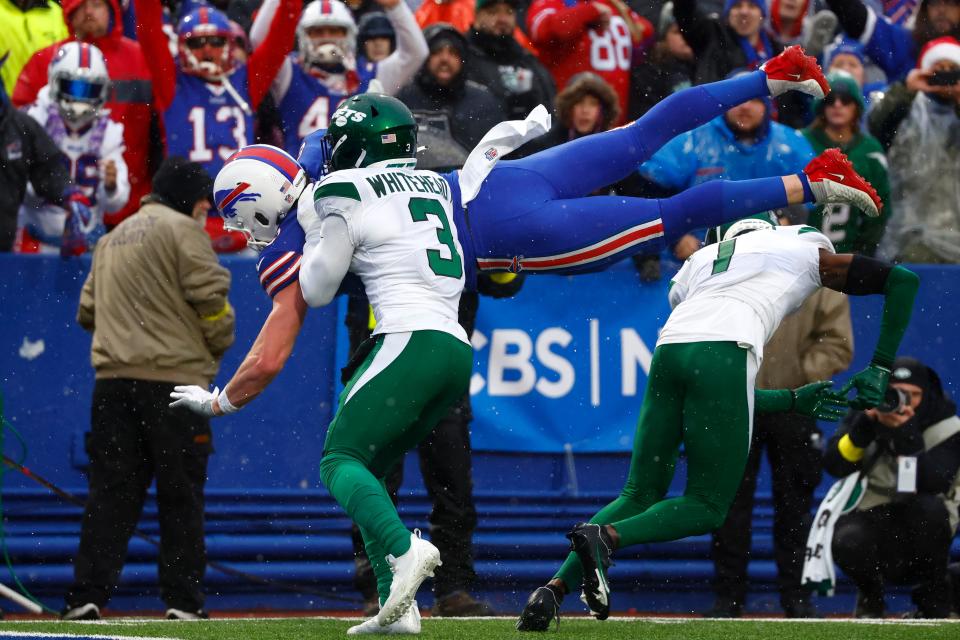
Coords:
195,398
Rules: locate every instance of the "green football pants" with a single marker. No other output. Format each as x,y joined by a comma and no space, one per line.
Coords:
392,402
699,394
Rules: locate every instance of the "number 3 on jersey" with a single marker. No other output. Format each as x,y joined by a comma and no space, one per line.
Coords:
452,267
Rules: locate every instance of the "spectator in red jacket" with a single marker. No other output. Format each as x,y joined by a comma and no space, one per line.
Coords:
601,36
99,22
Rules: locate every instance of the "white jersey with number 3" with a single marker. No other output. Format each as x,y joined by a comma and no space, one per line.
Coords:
406,249
739,290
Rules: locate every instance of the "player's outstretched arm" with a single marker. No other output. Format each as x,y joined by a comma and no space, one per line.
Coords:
326,258
815,400
263,362
858,275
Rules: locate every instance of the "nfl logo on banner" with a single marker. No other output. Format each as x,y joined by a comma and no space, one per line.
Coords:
387,138
490,153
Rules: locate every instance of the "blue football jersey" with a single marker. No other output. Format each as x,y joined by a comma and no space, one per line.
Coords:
204,123
308,104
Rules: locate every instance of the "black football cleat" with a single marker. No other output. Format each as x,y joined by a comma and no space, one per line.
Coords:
542,608
593,547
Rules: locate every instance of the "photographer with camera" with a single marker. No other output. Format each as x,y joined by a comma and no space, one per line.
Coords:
908,450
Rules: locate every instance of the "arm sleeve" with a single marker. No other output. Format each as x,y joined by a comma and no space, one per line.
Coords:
552,22
900,291
32,78
326,260
832,351
205,285
261,24
400,66
697,29
269,56
891,46
114,146
153,41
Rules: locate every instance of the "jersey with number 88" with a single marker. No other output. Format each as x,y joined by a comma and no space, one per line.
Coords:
406,249
740,289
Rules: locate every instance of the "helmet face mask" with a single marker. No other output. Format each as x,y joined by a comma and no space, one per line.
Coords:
79,83
205,43
255,190
758,222
326,35
369,129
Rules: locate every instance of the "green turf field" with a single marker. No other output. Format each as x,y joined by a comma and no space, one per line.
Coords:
481,629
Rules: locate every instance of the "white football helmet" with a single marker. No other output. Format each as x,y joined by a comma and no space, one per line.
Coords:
330,54
255,189
79,82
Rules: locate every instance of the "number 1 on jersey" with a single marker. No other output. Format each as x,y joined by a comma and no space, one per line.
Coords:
724,254
451,267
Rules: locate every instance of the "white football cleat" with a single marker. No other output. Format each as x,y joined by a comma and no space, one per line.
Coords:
409,623
409,572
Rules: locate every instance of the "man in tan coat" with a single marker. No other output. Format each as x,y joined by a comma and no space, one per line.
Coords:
815,343
156,302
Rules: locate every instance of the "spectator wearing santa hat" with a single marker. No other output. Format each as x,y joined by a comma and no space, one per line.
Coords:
919,122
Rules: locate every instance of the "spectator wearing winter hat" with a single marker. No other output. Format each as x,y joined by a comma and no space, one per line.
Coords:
460,14
837,124
791,22
156,303
894,47
847,55
441,87
900,532
376,37
918,121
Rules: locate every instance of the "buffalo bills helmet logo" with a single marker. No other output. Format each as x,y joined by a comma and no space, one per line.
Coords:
227,199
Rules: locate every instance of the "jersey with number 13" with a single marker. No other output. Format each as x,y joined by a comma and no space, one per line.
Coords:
739,290
406,249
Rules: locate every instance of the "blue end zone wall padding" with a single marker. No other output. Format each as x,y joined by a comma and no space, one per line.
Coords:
557,387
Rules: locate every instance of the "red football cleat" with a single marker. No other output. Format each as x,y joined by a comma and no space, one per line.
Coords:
793,70
833,179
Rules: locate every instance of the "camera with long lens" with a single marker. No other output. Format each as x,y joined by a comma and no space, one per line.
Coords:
893,400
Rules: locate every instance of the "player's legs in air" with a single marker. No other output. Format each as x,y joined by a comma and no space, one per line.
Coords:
405,385
699,394
534,214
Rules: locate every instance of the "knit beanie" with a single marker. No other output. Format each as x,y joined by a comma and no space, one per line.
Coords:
728,4
843,46
842,82
179,184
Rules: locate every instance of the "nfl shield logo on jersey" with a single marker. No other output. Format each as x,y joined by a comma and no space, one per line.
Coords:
490,154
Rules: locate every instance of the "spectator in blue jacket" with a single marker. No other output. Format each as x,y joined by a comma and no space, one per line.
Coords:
894,47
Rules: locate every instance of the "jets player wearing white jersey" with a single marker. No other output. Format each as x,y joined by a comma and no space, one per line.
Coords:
377,216
727,299
70,109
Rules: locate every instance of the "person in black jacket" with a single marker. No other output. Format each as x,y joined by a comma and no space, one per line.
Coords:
497,61
27,154
902,528
441,86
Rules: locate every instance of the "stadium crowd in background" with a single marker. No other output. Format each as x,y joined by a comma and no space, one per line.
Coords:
217,77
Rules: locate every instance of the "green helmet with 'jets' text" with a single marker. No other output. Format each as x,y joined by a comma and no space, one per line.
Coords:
756,222
371,128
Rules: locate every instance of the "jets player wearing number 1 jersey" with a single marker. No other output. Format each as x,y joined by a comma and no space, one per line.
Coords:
727,299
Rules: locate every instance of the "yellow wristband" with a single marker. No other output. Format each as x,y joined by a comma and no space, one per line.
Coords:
219,314
503,278
849,451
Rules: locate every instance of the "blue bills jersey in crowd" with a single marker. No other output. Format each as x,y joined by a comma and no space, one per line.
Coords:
308,103
204,123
